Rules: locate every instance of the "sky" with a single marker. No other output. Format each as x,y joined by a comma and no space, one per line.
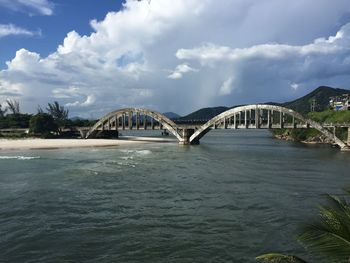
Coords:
95,56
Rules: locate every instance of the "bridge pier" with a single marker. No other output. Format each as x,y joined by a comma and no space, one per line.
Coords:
186,134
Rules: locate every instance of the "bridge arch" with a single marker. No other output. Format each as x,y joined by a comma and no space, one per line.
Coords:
202,130
112,118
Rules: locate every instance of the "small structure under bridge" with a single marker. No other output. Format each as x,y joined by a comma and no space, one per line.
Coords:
255,116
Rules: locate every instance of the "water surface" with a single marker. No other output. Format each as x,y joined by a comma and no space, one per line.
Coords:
238,194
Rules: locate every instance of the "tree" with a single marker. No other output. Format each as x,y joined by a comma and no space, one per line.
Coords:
59,113
2,111
42,123
13,106
328,236
39,109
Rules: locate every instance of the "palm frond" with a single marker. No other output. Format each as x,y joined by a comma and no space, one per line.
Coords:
13,106
330,234
279,258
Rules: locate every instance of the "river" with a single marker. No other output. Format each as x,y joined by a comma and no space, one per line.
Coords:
237,195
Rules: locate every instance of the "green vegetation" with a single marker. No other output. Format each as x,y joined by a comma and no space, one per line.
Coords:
15,119
330,116
2,111
171,115
327,116
43,124
204,114
328,236
296,134
59,114
53,123
321,96
13,106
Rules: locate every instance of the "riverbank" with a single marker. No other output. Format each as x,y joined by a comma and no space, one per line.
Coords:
308,136
311,140
34,143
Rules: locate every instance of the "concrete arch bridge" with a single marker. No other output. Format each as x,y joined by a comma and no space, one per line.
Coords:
255,116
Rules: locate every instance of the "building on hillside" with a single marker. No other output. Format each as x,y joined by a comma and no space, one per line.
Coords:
340,102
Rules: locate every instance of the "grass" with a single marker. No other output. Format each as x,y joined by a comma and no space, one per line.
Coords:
330,116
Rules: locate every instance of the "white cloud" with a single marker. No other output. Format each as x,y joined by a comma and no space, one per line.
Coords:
294,86
226,87
42,7
249,51
10,29
90,99
8,89
180,70
210,53
68,93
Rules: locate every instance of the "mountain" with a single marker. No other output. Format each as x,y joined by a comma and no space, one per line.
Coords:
204,114
76,118
302,105
171,115
321,96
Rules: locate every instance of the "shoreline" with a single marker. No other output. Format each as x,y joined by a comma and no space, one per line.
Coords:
52,144
307,142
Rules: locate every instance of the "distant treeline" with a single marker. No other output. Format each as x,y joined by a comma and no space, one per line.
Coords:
51,121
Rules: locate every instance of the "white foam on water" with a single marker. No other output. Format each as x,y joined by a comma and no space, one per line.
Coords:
143,152
127,158
19,157
127,164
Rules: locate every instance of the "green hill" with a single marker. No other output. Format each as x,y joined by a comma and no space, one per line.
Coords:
204,113
321,96
302,105
171,115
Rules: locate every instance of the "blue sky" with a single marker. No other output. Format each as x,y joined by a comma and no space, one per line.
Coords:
67,15
97,56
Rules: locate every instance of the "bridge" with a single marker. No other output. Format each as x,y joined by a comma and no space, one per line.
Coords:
255,116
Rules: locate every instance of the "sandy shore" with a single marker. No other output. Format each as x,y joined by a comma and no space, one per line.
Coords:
9,144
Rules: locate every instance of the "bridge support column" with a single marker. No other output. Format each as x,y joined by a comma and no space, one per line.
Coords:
130,120
293,122
250,118
281,119
257,118
348,143
186,134
82,133
137,120
144,122
272,117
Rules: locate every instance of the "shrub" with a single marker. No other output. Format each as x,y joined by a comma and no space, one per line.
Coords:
43,124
